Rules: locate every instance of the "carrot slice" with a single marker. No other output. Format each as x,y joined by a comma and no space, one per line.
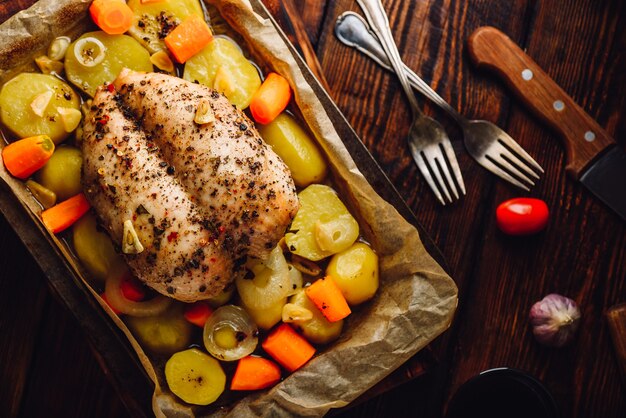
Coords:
254,373
61,216
288,348
197,313
327,296
188,38
270,99
112,16
22,158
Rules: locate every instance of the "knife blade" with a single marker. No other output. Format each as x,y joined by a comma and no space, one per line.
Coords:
593,157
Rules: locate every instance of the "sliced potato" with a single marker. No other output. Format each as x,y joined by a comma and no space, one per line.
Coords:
62,172
322,218
222,66
29,105
318,329
268,317
296,148
97,58
95,249
355,271
165,333
195,377
155,20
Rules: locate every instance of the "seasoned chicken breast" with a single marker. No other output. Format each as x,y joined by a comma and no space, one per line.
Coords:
245,188
200,198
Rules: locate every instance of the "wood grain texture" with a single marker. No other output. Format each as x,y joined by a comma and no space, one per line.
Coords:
492,49
581,254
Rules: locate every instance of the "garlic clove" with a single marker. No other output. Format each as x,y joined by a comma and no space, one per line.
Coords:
162,61
70,118
555,320
296,313
41,102
130,240
204,113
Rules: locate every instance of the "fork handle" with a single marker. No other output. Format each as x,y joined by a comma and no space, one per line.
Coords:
583,138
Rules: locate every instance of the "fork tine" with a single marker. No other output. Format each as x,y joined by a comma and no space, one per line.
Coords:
436,169
451,157
506,140
420,161
489,165
514,165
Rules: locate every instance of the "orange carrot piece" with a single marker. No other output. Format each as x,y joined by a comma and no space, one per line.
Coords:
327,296
198,313
188,38
270,99
254,373
112,16
62,215
22,158
288,348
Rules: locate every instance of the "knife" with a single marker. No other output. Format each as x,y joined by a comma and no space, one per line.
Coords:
593,157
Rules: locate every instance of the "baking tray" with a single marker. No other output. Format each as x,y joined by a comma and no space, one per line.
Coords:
108,343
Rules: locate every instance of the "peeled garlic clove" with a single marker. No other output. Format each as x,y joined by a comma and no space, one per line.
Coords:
555,320
41,102
48,66
58,48
204,113
162,61
70,118
296,313
130,241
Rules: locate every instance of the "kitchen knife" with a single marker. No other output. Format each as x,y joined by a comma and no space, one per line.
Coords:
593,157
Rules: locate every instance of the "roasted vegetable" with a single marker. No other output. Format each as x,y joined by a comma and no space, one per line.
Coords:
95,250
97,58
296,148
164,333
323,225
195,377
155,20
318,329
355,271
29,105
266,318
222,66
61,174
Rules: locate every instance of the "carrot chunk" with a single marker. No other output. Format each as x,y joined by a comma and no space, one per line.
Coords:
270,99
327,296
288,348
188,38
61,216
22,158
112,16
254,373
197,313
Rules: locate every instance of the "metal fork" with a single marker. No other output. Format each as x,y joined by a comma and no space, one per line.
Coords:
430,146
489,145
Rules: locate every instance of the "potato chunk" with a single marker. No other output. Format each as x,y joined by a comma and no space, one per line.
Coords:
296,148
323,226
97,58
355,271
62,172
155,20
29,105
222,66
95,249
318,329
164,333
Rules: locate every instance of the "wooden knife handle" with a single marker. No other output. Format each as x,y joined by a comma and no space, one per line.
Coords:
584,139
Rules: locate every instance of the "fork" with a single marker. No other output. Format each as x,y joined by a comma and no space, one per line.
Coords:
430,146
489,145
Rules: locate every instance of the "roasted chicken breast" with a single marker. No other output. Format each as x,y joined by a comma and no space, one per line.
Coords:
200,197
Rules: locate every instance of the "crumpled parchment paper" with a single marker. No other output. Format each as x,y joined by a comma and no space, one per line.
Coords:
416,299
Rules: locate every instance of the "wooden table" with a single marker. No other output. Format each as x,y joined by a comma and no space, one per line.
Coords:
48,369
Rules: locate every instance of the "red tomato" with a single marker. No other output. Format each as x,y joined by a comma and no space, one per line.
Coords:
522,216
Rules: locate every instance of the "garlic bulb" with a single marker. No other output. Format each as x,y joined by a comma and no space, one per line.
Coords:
554,319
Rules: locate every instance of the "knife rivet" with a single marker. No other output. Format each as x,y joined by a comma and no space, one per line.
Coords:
558,105
527,74
590,136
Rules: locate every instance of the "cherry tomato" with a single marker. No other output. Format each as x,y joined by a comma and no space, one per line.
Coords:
522,216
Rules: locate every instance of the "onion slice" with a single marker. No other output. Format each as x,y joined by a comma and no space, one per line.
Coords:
270,284
89,51
117,300
240,323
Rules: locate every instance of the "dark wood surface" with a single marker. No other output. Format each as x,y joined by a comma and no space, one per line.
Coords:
48,369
